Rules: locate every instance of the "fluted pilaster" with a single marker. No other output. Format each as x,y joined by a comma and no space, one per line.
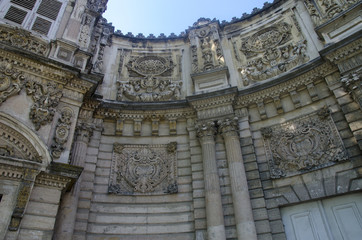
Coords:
242,205
68,209
214,213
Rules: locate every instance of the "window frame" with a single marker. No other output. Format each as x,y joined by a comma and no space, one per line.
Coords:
31,17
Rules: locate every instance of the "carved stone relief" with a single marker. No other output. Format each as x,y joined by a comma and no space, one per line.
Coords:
353,85
150,80
46,99
14,144
270,52
22,39
323,10
206,50
303,144
143,169
11,81
61,132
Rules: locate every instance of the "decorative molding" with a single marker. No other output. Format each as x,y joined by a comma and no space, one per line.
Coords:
46,99
285,87
53,181
143,169
345,52
303,144
23,198
62,132
353,85
15,144
11,81
22,39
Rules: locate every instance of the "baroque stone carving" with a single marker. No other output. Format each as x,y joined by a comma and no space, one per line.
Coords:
266,39
143,169
353,85
331,8
11,81
206,50
61,133
23,39
303,144
313,12
149,84
46,99
274,62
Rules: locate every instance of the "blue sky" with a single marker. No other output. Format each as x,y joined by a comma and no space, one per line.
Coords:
167,16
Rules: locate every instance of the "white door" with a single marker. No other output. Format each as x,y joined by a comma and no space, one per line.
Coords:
337,218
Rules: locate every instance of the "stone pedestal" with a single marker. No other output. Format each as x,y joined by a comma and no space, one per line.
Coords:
214,212
242,206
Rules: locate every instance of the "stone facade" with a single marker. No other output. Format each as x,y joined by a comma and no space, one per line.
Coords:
208,135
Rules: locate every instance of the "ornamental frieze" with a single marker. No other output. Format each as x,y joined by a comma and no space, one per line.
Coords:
46,99
23,39
303,144
143,169
11,81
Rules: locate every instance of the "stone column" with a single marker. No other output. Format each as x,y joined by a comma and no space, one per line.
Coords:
67,213
214,212
242,205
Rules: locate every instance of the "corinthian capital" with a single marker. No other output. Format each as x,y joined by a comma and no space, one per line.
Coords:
228,127
205,129
84,131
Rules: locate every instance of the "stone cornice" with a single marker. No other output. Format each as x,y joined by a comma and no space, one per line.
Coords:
214,105
298,78
50,70
105,111
345,49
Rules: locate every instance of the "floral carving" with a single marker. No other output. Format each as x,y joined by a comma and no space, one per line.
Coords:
46,99
265,39
22,39
330,7
143,169
149,84
61,133
274,61
303,144
313,12
11,81
150,65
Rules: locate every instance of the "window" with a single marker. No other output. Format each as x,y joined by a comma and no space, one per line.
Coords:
40,16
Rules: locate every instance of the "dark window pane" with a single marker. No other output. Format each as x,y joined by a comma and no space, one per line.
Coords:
49,8
15,15
28,4
41,26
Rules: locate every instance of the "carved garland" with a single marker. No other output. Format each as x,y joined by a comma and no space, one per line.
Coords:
303,144
143,169
46,99
11,81
61,133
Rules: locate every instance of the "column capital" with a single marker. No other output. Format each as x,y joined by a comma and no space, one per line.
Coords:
205,130
228,127
84,131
